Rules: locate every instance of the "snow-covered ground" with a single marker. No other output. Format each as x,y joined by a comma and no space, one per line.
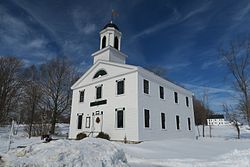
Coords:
223,149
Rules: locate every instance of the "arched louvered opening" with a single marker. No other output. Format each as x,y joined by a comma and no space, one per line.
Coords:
116,43
100,73
104,42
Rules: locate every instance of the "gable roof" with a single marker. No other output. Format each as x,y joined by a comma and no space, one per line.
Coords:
124,66
133,68
216,116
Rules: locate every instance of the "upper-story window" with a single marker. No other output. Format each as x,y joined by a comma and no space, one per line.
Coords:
81,93
175,97
99,92
116,43
103,42
187,102
100,73
146,86
161,89
120,86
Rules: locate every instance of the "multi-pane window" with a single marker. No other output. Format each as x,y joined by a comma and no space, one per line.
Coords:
163,121
120,118
189,124
177,122
79,124
99,92
146,118
120,87
187,102
87,122
81,96
161,89
175,97
146,86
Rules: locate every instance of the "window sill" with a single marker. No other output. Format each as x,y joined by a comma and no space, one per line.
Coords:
120,95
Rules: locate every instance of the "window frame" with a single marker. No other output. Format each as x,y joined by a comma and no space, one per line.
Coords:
100,73
146,90
88,122
163,121
117,89
176,98
178,127
161,92
187,101
117,120
96,95
189,124
148,120
81,97
79,121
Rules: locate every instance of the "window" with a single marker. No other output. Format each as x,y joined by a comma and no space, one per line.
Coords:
120,87
104,42
81,96
99,92
189,124
79,124
146,117
187,102
119,117
116,43
163,121
177,122
87,122
176,97
161,92
145,86
99,74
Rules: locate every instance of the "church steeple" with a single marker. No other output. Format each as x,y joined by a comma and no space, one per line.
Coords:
110,45
110,36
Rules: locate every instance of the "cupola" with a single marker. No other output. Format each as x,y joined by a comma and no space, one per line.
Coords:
110,45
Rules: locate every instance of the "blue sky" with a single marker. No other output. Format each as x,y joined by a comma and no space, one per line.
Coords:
179,35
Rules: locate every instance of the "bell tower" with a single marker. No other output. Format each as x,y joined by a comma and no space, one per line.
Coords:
110,45
110,36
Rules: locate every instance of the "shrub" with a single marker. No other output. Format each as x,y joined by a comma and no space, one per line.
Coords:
80,136
103,136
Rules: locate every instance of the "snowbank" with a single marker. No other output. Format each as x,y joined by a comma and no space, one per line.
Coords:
88,152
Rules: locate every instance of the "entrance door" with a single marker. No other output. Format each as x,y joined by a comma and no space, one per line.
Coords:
97,121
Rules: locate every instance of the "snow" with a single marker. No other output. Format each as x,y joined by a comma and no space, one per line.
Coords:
88,152
223,150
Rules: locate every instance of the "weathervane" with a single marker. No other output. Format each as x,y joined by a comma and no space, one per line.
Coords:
113,14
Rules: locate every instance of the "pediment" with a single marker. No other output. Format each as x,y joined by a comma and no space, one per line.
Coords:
97,73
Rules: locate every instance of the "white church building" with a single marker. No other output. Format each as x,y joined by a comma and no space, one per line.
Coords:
127,101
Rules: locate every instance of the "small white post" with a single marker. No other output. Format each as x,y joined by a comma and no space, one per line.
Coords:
11,134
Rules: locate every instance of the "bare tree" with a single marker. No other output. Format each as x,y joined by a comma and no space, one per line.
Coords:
32,95
237,59
201,114
57,78
9,86
232,116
